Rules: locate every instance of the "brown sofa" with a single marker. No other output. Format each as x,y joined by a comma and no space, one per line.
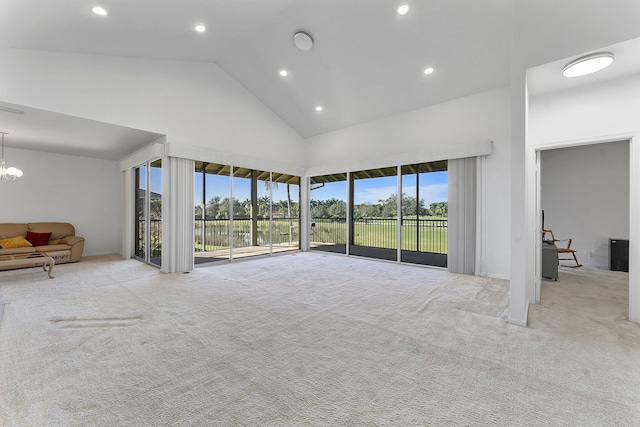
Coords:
63,245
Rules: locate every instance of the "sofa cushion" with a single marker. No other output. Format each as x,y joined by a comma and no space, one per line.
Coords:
12,230
17,251
52,248
38,239
59,230
15,242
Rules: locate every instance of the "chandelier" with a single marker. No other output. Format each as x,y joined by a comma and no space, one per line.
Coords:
9,173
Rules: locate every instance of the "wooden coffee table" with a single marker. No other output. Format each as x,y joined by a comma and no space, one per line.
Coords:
33,259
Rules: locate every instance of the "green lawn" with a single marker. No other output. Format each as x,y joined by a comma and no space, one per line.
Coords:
217,233
372,232
381,233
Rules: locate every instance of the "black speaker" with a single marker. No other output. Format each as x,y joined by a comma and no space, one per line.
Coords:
619,255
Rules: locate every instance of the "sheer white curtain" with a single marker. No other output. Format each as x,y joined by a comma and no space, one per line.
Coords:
177,215
462,215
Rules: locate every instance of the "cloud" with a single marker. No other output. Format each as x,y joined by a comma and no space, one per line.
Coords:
434,193
374,194
430,193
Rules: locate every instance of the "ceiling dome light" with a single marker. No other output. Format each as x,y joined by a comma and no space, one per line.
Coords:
402,10
284,73
428,71
99,11
319,108
588,64
302,40
200,28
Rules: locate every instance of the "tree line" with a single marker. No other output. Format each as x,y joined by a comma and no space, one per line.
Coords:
218,208
386,208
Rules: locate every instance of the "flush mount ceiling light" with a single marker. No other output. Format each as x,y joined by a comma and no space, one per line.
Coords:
402,10
99,11
284,73
200,28
588,64
303,40
428,71
8,173
319,108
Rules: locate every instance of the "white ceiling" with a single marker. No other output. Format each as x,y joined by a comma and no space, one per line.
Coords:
548,78
41,130
366,64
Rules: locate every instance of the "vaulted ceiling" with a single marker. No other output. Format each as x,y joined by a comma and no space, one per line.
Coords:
367,61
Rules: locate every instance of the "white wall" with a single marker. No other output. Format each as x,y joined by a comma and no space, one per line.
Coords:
585,196
438,129
193,103
600,112
542,33
587,112
82,191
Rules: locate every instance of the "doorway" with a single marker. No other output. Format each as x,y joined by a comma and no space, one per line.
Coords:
584,192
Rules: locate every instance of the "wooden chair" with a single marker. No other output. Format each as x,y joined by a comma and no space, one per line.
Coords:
562,250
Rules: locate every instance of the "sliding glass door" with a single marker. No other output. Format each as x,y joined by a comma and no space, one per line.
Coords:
328,212
211,221
375,213
148,212
424,213
285,212
259,218
375,228
241,212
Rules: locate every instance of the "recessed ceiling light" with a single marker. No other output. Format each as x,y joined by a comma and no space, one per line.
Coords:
319,108
588,64
428,71
99,10
284,73
402,10
200,28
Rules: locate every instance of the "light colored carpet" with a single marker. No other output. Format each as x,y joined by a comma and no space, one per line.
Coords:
311,339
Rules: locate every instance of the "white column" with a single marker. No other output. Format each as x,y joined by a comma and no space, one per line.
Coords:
349,224
270,213
231,242
305,217
521,259
399,215
634,230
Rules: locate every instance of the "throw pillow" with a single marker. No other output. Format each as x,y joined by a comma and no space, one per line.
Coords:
38,239
15,242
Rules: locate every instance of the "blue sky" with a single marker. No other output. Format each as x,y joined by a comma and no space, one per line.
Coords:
218,185
156,180
433,188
